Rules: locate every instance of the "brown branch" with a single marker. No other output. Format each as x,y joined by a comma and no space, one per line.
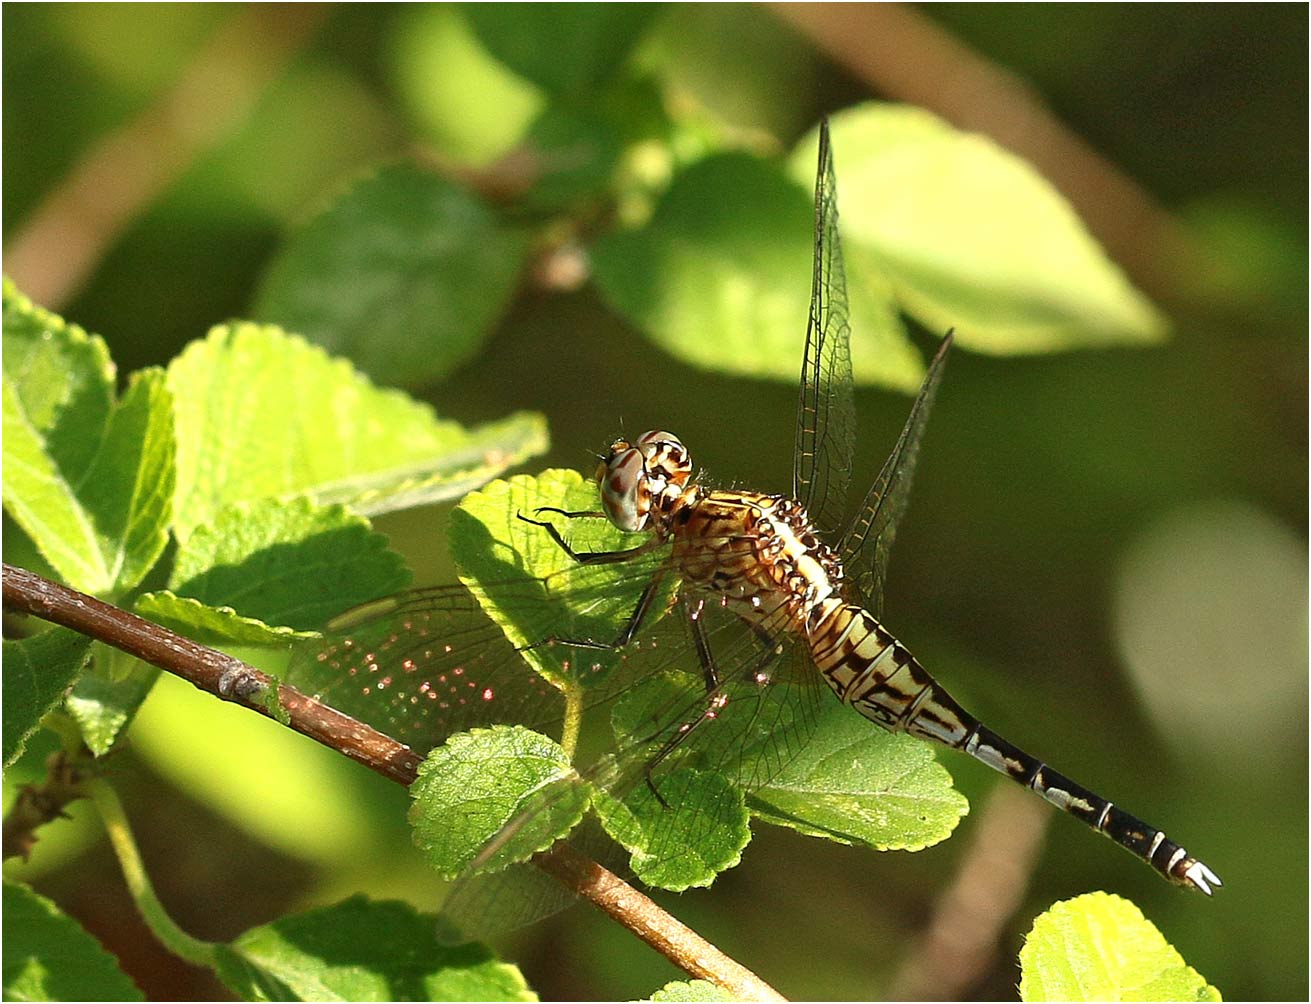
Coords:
953,953
675,941
55,250
206,668
903,53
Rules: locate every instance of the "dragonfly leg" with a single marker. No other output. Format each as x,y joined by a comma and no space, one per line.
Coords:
717,699
586,557
571,513
626,633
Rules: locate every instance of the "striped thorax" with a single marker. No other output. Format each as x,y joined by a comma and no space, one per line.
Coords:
757,553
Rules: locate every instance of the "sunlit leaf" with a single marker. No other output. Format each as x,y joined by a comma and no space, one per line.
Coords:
88,479
263,567
463,100
699,830
261,413
855,783
1100,947
973,238
691,991
361,950
476,783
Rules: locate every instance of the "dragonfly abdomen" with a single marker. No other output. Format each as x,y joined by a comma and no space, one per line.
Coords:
1139,838
874,673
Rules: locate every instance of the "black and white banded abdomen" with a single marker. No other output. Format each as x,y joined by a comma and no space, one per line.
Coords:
874,673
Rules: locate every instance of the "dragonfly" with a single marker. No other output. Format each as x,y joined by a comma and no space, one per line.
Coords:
717,629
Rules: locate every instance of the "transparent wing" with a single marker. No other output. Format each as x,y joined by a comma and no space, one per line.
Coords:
826,420
865,546
670,730
428,663
698,691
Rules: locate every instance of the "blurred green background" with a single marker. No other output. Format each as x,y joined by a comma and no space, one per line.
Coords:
1105,556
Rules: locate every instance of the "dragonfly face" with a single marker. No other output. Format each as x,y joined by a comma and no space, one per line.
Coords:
648,476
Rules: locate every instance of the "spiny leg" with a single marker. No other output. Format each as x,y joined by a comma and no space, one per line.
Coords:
626,633
640,611
716,697
586,557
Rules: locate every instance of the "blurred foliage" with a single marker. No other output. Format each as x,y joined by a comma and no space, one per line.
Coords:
1086,525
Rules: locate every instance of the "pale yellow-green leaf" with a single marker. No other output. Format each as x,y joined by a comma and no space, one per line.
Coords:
973,238
1100,947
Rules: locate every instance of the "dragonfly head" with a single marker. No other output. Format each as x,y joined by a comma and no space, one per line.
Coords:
642,477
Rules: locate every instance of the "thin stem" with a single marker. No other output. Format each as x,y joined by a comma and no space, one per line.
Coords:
679,944
204,667
172,937
573,719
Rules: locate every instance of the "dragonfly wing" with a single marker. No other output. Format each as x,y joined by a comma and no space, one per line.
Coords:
428,663
866,545
381,662
688,753
826,418
681,758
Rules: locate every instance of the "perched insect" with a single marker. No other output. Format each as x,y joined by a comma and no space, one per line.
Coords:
713,632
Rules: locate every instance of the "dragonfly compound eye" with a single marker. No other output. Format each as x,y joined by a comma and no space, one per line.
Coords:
625,494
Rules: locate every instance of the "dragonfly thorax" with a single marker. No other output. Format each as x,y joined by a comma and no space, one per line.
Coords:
758,553
644,482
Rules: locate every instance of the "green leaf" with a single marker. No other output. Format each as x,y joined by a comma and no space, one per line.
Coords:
972,238
477,782
576,151
363,950
691,991
37,671
406,273
261,413
500,558
103,701
1100,947
729,251
289,564
856,784
90,481
49,957
219,626
699,832
564,48
62,376
464,101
